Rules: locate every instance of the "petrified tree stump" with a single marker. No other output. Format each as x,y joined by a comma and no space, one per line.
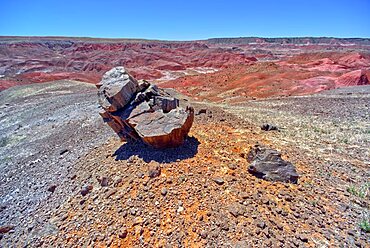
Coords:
141,111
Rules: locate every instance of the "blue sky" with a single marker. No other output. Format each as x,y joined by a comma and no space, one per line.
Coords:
185,19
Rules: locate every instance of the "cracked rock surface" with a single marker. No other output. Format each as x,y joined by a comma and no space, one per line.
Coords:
142,111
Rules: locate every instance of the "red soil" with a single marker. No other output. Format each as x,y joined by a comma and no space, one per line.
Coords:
32,62
299,75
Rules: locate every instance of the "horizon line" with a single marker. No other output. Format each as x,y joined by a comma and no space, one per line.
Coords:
154,39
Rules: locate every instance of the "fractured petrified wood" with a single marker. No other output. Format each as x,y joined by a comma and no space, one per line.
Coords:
161,130
116,89
142,111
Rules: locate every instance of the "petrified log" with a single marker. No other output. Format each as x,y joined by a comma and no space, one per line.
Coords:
162,130
140,110
116,89
267,163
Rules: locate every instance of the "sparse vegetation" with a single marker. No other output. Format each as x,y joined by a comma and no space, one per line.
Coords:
360,192
365,225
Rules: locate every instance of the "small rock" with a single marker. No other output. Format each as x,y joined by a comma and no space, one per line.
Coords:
232,166
2,208
109,242
261,224
103,181
132,211
123,234
303,238
140,174
267,164
110,193
86,189
63,217
154,169
6,228
203,234
269,127
63,151
202,111
236,209
180,209
244,195
219,181
117,181
158,222
52,188
164,191
352,232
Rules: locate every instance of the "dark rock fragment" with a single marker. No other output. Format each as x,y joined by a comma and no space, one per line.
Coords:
303,238
267,164
86,189
261,224
202,111
269,127
6,228
63,151
52,188
103,181
164,191
123,234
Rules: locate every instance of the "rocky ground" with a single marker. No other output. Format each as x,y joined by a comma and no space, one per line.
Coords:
67,181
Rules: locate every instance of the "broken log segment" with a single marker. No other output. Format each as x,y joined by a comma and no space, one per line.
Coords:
141,111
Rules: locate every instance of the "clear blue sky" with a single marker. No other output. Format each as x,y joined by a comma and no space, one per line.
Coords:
185,19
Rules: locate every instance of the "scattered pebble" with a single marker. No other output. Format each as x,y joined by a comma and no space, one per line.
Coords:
219,181
52,188
86,189
164,191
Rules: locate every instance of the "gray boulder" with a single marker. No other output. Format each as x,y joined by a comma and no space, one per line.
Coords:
267,164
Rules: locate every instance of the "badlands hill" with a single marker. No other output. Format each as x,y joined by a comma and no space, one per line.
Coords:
246,67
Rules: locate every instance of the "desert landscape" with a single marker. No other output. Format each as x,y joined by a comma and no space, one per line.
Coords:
67,180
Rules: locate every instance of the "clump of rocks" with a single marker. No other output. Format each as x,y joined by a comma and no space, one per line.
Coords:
137,110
